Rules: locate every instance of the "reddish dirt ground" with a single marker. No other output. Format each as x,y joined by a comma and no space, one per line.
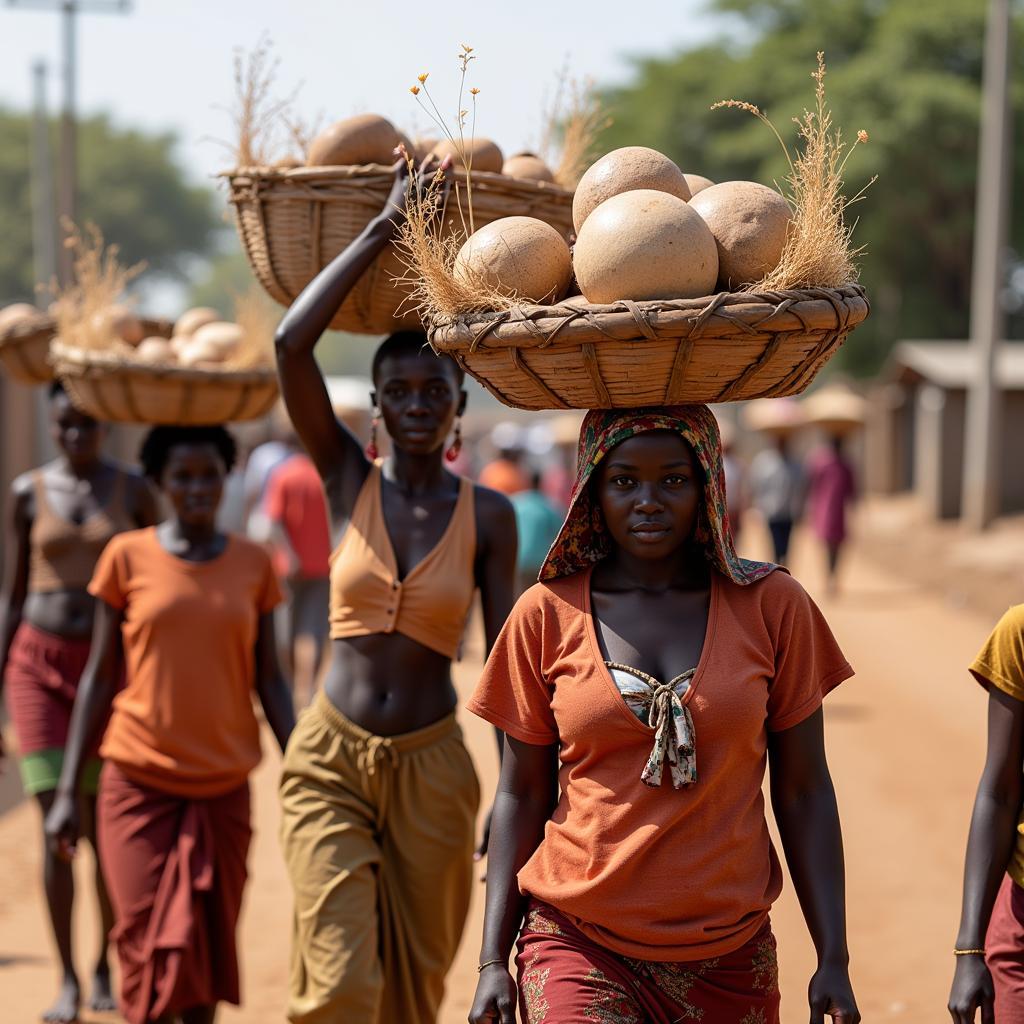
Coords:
905,741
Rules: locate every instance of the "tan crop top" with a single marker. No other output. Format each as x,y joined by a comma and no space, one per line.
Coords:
431,604
63,554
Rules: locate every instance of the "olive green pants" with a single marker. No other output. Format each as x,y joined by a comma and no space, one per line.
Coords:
378,841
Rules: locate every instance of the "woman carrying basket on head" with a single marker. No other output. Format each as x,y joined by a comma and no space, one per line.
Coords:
657,674
61,517
187,611
379,794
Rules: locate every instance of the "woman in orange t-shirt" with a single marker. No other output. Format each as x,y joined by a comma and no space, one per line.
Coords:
187,611
659,674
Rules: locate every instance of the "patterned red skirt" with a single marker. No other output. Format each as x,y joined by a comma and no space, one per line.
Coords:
565,977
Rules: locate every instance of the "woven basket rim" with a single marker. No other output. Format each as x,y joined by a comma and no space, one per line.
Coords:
71,361
376,173
27,330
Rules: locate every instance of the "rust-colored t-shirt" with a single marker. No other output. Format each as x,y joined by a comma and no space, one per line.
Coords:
660,874
185,723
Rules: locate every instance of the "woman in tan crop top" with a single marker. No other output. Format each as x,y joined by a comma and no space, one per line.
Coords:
378,792
59,520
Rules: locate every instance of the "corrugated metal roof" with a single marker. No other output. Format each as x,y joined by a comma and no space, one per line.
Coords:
951,365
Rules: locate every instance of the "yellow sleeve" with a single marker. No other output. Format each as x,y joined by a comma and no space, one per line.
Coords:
1000,662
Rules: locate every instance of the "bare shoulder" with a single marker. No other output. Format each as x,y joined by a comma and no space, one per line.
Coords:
495,516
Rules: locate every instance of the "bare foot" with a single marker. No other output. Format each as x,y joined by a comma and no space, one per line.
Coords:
102,997
65,1009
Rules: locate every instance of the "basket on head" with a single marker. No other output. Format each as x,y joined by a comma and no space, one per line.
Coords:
836,410
724,348
292,223
116,389
25,348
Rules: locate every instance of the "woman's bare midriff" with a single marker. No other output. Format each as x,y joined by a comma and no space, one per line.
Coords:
389,684
66,613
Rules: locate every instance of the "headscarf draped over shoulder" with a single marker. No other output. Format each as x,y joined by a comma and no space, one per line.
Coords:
583,539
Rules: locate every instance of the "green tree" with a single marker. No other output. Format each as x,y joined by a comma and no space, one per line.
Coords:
907,72
130,185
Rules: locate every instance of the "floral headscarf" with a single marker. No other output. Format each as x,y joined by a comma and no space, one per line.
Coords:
583,540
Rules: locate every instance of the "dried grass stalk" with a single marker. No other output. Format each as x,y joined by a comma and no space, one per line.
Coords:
572,125
255,114
819,251
258,317
100,280
428,249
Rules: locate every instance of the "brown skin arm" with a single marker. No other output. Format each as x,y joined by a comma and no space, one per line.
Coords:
270,684
495,573
15,588
804,803
989,846
337,454
92,705
527,793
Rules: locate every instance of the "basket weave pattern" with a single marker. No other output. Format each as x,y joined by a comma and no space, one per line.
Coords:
293,223
117,390
730,347
25,349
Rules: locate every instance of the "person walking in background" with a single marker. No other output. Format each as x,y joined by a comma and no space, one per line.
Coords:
295,509
989,949
537,524
776,489
61,516
186,610
505,473
735,478
378,794
658,674
831,489
263,460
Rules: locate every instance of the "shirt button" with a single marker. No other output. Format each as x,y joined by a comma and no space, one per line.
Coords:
391,611
394,586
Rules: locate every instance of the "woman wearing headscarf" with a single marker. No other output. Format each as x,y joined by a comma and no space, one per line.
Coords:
658,674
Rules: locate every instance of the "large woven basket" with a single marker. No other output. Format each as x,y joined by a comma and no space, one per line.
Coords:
25,349
724,348
118,390
293,223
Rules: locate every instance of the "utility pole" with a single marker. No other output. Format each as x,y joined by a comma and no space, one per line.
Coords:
44,225
982,444
67,185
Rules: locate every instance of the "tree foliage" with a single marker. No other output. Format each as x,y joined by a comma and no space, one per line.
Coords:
907,72
130,185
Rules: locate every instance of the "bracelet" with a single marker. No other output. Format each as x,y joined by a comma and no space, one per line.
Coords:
968,952
489,963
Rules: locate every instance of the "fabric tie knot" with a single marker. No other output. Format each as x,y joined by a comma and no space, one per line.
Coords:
379,748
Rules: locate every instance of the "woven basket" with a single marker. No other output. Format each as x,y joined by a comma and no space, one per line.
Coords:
117,390
25,349
293,223
726,348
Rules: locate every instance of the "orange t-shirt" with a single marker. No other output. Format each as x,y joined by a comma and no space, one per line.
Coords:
659,874
185,723
505,476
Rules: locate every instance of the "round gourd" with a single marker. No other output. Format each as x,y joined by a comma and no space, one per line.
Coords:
624,170
192,319
527,165
749,222
518,256
197,352
423,147
644,244
697,183
14,314
484,154
220,336
118,322
155,350
365,139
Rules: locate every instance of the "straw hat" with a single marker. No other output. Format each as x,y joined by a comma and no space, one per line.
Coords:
775,416
835,409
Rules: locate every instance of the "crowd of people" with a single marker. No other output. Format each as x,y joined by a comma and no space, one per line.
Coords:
638,693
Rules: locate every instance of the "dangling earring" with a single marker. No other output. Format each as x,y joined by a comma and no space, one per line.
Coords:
371,448
456,446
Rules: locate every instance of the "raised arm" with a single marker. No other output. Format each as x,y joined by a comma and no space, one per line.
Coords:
92,705
989,845
804,803
15,589
527,791
337,454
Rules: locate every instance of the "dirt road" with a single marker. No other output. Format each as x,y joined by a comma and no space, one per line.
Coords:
906,739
